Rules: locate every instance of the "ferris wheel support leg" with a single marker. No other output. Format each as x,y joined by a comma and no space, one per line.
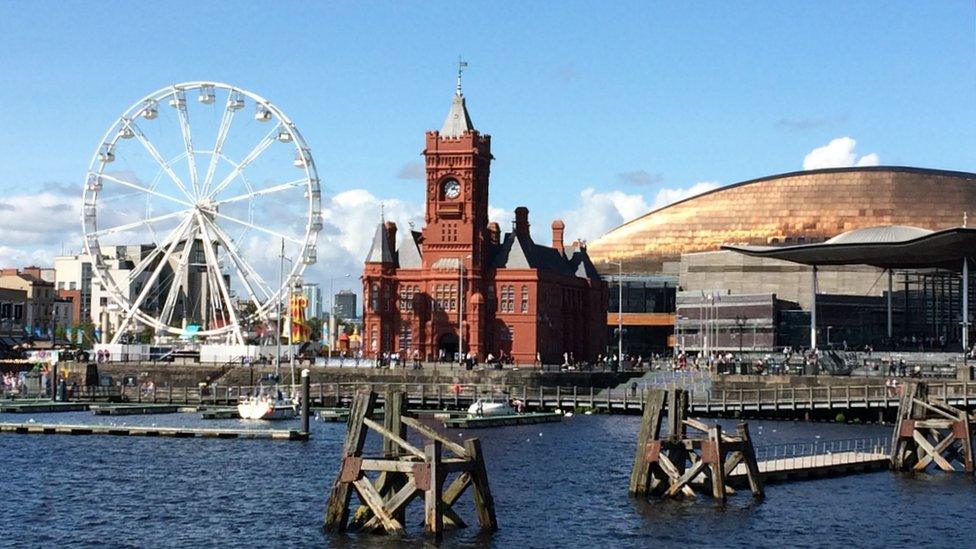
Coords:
179,274
222,286
134,308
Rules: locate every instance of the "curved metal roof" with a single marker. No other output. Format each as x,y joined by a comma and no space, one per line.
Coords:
887,247
819,171
879,235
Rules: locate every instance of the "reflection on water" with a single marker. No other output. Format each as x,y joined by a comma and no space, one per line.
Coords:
554,484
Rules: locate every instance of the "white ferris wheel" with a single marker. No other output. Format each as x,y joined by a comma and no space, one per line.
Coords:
184,223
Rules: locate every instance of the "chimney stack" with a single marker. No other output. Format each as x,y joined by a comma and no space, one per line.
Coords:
391,230
522,222
558,227
494,233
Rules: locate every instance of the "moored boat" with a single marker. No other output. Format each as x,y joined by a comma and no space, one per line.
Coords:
483,408
267,407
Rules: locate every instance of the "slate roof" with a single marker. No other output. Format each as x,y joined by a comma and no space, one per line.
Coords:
520,252
380,251
458,120
408,253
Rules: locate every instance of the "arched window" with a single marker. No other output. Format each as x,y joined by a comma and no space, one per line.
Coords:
525,299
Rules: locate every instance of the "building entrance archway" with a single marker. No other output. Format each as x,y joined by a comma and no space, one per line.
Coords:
447,346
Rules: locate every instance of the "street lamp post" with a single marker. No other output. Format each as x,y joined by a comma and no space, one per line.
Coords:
461,308
620,312
278,326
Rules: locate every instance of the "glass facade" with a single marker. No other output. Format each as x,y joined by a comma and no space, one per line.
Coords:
648,303
642,294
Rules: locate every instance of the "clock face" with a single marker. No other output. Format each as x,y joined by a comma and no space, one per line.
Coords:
452,189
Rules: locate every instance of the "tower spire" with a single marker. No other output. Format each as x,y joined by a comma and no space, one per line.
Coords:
458,120
461,66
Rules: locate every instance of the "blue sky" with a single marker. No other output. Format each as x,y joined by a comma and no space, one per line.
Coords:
598,111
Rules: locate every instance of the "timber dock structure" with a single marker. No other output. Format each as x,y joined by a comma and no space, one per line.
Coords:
871,400
144,431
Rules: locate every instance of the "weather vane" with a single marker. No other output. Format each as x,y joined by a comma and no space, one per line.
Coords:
461,66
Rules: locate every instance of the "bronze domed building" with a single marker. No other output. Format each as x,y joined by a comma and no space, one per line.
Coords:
792,208
674,268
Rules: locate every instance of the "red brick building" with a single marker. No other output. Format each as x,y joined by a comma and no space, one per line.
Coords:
516,297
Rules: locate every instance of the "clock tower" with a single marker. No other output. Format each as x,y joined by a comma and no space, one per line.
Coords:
460,287
458,158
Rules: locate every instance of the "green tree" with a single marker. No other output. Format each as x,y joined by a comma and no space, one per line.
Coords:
87,330
314,328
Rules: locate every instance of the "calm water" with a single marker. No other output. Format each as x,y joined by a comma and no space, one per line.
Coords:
554,485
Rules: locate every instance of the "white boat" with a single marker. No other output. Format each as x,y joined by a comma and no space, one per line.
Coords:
482,408
267,407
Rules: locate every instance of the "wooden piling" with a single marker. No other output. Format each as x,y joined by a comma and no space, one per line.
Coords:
929,431
306,394
405,471
650,430
337,511
432,496
484,503
674,465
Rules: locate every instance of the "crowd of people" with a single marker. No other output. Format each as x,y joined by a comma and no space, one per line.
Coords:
14,382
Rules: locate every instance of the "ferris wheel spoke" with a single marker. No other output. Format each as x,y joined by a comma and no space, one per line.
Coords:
141,222
176,233
184,118
269,190
225,122
153,152
212,263
133,308
259,228
244,270
143,189
251,157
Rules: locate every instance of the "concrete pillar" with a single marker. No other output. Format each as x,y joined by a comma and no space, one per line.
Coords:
890,325
104,323
813,310
965,304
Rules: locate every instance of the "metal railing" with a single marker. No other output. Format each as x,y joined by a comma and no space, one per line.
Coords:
821,453
550,396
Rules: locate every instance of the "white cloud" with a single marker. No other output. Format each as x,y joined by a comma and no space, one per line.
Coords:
670,196
33,226
839,153
502,216
350,219
599,212
871,159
